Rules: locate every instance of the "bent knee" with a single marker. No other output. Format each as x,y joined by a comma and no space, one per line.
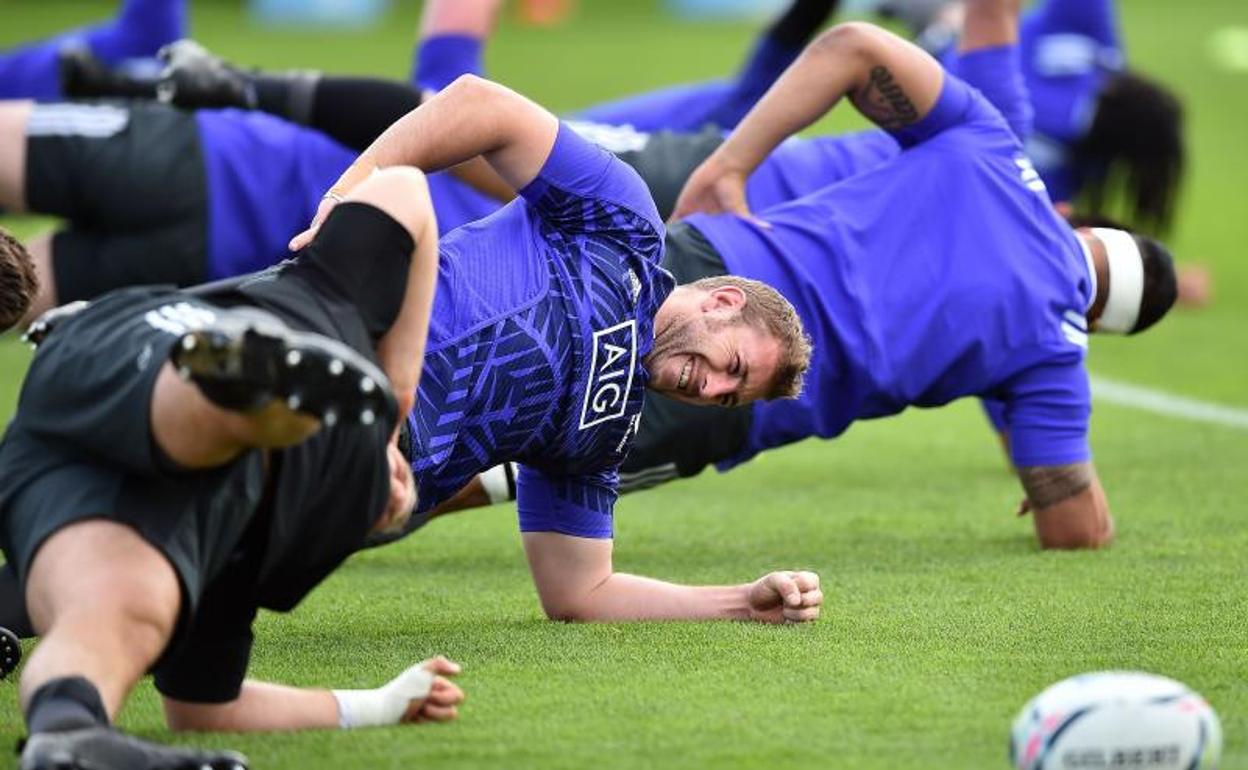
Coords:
402,192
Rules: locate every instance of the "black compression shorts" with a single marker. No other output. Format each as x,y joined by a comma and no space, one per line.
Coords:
131,183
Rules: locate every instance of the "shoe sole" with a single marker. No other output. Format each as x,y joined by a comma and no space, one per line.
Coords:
258,362
10,652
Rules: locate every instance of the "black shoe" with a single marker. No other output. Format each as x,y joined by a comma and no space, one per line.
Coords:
246,358
85,77
194,78
103,748
10,652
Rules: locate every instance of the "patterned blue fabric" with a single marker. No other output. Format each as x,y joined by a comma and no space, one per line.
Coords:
543,313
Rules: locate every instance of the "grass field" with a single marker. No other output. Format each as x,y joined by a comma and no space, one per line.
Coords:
942,617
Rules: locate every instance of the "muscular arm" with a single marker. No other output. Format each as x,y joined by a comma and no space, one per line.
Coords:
1068,504
470,117
889,80
577,582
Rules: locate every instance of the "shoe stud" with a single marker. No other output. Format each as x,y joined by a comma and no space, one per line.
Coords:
336,367
293,358
367,385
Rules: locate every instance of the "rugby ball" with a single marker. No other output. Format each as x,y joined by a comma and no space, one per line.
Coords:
1116,720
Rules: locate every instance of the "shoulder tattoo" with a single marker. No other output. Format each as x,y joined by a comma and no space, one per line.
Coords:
885,102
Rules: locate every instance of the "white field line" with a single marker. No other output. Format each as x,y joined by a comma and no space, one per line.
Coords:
1167,404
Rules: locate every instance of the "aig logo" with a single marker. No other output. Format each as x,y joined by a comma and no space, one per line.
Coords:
610,375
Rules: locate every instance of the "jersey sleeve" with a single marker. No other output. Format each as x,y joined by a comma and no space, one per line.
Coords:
994,410
957,105
1047,408
585,191
997,73
579,505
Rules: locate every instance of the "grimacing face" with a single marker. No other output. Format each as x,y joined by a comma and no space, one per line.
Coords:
703,353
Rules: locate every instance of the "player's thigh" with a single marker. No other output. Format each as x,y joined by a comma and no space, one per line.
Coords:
115,168
102,567
86,262
13,118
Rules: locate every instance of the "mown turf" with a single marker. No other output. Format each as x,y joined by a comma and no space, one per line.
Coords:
942,617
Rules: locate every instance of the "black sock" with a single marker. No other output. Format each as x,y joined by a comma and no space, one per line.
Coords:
353,111
800,22
67,703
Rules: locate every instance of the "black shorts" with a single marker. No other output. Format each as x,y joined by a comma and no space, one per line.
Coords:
667,160
131,183
81,447
678,439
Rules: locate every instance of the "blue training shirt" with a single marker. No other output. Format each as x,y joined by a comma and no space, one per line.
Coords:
266,177
942,273
542,315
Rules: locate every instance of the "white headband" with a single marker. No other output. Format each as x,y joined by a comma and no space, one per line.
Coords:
1126,281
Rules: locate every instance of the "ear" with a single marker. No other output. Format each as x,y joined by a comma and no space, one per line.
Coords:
724,299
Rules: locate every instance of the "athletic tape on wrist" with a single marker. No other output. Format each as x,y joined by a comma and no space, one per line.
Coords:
499,483
384,705
1126,281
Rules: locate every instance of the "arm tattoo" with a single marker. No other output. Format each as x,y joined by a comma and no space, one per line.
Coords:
1048,485
884,101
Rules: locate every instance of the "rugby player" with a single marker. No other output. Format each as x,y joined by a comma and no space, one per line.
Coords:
180,459
552,318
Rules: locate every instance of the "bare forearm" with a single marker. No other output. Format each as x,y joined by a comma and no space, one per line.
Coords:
260,707
624,597
891,82
470,117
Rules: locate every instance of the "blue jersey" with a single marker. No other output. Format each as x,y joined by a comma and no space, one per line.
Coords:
942,273
1067,49
266,177
542,316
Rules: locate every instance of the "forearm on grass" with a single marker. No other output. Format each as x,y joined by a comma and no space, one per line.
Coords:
259,707
576,581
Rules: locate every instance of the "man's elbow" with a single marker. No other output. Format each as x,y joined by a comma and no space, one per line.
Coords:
567,610
849,38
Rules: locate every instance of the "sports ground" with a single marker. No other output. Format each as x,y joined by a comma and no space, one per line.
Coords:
942,616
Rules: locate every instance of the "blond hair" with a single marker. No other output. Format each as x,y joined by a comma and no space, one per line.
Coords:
767,310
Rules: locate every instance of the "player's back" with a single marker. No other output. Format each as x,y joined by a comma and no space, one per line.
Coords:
931,277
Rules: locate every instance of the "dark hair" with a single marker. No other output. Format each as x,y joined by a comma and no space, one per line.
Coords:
1161,284
19,284
1161,287
1135,143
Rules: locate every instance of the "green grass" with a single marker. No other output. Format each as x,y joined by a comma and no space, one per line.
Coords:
942,617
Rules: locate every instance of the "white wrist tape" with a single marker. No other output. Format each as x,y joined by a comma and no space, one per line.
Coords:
1126,281
499,483
386,704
